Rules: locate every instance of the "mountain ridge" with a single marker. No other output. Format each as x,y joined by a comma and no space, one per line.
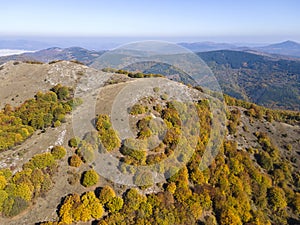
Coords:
263,78
290,48
253,179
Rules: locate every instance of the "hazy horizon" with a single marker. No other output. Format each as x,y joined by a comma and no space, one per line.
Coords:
106,43
176,21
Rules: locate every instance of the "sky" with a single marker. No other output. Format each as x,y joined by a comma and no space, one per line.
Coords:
223,20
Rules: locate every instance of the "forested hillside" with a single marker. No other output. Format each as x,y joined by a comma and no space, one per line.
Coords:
254,178
270,82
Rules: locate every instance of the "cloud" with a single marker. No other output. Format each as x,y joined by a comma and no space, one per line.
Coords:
6,52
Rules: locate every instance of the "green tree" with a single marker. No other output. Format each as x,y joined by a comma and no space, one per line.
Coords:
107,134
90,178
74,142
115,204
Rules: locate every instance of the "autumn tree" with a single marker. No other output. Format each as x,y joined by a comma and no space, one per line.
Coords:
133,199
106,194
58,152
75,161
276,198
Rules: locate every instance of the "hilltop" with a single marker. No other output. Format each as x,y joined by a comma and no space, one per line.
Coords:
290,48
254,178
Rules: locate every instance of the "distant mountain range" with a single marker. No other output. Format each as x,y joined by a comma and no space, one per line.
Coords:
267,79
207,46
287,48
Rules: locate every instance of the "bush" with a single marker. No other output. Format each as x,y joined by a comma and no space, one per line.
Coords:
156,89
57,123
137,109
3,182
106,194
3,197
164,97
74,142
107,134
90,178
264,160
277,199
43,160
13,206
75,161
58,152
115,204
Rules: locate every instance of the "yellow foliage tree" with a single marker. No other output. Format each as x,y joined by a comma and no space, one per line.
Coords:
3,182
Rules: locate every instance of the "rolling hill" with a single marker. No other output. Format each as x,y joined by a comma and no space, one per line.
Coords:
267,80
289,48
49,177
206,46
263,80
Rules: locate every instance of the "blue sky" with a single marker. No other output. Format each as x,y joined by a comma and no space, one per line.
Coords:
255,20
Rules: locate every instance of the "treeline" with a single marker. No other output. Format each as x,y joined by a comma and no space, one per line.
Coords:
259,112
44,110
131,74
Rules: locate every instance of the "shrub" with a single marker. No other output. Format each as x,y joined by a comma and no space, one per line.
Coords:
86,152
106,194
164,97
115,204
13,206
276,198
58,152
43,160
90,178
74,142
57,123
107,134
3,197
3,182
156,89
137,109
75,161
